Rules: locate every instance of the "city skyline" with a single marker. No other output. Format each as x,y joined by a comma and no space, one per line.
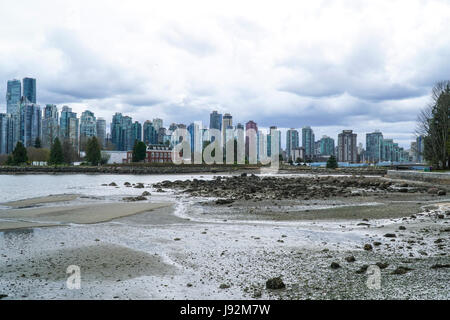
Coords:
286,61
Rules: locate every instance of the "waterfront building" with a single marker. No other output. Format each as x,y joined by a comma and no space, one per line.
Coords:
374,147
30,122
29,89
101,131
292,141
347,147
308,142
13,95
50,125
326,146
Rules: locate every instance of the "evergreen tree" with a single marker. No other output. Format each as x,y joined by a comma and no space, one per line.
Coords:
56,153
139,151
93,151
19,155
37,143
332,163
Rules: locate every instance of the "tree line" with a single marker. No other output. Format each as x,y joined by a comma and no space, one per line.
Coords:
59,153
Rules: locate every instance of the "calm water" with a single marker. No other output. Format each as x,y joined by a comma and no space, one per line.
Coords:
17,187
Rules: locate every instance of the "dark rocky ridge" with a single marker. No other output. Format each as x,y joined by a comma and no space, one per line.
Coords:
251,187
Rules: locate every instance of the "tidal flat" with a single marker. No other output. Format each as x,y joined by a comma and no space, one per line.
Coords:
223,237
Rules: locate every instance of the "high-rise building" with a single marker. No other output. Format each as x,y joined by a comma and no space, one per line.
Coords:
215,120
292,142
101,131
122,132
29,89
50,125
150,133
69,127
250,127
326,146
6,133
374,147
137,131
273,131
30,122
157,124
308,142
88,128
347,147
227,123
13,95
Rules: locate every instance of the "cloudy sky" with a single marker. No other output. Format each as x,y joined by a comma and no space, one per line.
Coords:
333,65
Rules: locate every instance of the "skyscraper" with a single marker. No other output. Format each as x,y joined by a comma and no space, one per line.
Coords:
88,128
13,95
6,133
251,133
50,125
374,147
227,123
29,89
215,120
122,132
150,133
69,127
157,124
308,142
347,148
292,142
101,131
30,122
137,131
326,146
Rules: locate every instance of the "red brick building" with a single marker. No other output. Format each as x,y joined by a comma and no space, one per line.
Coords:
155,154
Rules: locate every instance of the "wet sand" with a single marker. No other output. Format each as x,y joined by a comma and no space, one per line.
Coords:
41,200
80,214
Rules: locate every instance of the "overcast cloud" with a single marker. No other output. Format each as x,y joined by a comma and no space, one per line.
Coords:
333,65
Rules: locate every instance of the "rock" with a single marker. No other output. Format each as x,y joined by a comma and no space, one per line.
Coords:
363,269
113,184
368,247
441,216
363,224
441,193
127,184
275,283
224,201
439,266
433,190
335,265
403,190
401,270
382,265
145,193
176,239
402,228
139,185
350,259
189,285
390,235
224,286
2,296
257,294
132,199
377,243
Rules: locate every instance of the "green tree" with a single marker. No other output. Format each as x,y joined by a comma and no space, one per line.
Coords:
93,151
332,163
68,152
434,126
56,153
19,155
37,143
139,151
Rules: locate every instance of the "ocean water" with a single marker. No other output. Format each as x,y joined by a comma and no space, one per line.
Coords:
17,187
